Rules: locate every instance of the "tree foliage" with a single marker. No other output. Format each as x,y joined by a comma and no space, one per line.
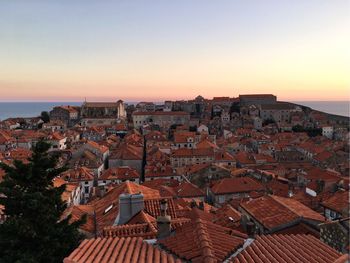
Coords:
33,230
45,116
311,132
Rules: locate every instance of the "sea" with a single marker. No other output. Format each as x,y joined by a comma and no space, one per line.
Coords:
341,108
32,109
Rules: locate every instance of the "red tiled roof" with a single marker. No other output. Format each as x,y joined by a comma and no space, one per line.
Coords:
300,228
111,199
186,189
68,108
244,158
156,183
78,174
152,207
317,173
202,241
144,230
141,225
100,147
224,156
273,211
20,154
163,171
196,213
120,173
185,152
5,137
127,152
339,202
56,136
197,167
236,185
227,216
183,136
118,250
155,136
206,144
287,248
323,156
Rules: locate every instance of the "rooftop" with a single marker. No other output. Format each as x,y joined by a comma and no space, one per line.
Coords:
288,249
118,250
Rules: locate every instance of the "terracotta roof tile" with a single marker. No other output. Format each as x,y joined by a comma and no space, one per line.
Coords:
141,225
206,144
287,248
118,250
202,241
186,189
236,185
338,202
274,211
78,174
127,152
100,147
120,173
183,136
111,199
189,153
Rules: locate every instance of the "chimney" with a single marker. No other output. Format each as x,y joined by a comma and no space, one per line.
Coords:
250,229
129,205
163,221
100,191
201,205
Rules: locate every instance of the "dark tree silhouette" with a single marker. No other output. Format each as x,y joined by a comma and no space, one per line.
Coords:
33,230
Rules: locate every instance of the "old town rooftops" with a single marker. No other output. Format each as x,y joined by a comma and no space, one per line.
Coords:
203,241
288,249
338,202
235,185
121,173
161,113
118,250
274,211
189,153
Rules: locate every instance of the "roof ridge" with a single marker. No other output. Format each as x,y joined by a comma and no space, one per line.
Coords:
128,187
205,244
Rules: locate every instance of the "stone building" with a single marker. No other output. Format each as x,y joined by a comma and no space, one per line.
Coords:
336,234
257,99
279,112
161,118
67,114
102,113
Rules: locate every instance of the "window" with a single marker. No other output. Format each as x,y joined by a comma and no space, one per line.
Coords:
86,190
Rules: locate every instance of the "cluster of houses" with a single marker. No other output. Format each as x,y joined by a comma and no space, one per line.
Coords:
220,180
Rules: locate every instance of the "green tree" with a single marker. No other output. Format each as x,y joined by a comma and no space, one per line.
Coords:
45,116
33,230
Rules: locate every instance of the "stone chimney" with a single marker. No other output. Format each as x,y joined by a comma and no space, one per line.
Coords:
163,221
129,205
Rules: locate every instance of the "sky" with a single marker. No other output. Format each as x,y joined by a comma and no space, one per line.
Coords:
163,49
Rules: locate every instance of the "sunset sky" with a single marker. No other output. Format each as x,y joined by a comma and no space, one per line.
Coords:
173,49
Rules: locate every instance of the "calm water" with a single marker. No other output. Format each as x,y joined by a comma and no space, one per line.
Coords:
334,107
28,109
31,109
